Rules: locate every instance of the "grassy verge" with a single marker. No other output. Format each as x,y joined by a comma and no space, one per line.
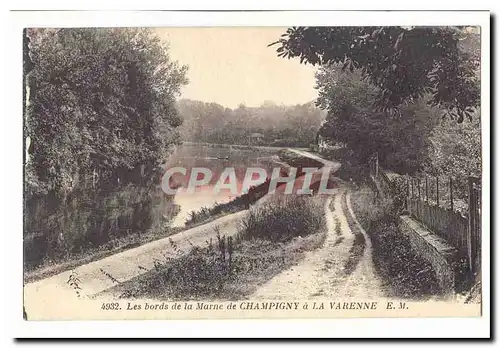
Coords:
270,239
406,274
338,232
358,245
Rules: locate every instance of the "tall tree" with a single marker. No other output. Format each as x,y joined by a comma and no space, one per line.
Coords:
401,142
404,63
101,106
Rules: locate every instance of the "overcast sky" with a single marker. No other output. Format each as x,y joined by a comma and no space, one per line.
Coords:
232,65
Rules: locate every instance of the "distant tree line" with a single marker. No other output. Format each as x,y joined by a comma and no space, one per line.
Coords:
269,124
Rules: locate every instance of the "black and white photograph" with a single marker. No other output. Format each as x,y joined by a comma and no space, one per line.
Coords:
260,172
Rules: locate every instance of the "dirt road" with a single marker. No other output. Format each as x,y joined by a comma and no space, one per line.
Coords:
102,274
325,272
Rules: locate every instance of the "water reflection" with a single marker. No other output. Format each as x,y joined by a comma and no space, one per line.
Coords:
58,227
216,158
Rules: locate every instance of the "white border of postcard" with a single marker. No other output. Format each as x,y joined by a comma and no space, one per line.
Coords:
408,327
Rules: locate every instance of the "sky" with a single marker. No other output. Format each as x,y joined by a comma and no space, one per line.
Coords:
233,65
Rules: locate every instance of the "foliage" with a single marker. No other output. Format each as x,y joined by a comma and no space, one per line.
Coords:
225,268
456,149
101,107
405,63
405,272
283,219
276,125
352,122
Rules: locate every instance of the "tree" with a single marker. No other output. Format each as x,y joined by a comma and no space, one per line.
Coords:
101,107
404,63
455,151
280,125
401,142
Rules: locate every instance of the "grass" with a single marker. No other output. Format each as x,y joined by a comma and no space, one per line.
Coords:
338,232
204,215
358,245
230,269
407,275
283,219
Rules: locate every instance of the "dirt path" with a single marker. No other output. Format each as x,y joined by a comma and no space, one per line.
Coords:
322,273
105,273
327,163
102,274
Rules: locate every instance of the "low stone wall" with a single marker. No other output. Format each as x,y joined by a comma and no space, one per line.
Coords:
442,256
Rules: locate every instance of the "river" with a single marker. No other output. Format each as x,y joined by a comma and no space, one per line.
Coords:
216,158
56,228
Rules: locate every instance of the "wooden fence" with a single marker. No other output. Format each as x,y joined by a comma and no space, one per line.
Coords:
446,223
432,202
461,229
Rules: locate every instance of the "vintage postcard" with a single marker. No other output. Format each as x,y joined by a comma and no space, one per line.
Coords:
261,172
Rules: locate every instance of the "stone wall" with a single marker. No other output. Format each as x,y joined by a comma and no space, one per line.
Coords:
442,256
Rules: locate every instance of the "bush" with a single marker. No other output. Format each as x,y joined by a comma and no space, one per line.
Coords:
201,272
227,268
283,219
351,167
407,274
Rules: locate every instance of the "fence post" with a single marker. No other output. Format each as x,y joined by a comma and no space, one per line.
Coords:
407,203
426,190
376,166
418,187
451,193
470,226
474,243
437,191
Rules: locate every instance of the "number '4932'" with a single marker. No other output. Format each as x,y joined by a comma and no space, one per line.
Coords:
110,306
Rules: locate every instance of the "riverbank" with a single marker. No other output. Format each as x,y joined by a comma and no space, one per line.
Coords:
124,244
271,238
205,216
241,146
97,276
89,228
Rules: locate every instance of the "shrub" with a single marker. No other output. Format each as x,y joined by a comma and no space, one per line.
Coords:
283,219
199,272
407,274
